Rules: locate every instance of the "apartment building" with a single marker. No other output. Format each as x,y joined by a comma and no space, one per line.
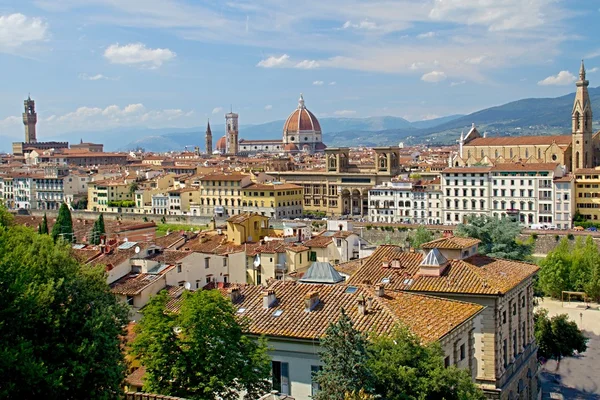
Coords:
275,199
105,194
391,202
466,192
220,194
525,192
587,193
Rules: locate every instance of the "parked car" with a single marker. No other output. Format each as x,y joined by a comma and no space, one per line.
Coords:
592,229
578,228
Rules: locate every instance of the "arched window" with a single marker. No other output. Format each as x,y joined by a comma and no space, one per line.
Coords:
482,154
577,121
526,153
496,154
511,153
577,160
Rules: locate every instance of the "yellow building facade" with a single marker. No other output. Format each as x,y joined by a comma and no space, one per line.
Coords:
587,193
102,193
274,200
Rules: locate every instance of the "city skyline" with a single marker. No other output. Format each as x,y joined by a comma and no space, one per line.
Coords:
175,64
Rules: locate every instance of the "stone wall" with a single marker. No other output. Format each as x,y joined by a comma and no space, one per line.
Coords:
545,243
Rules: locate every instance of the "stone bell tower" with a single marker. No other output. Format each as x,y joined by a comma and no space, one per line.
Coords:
29,120
209,146
231,133
582,146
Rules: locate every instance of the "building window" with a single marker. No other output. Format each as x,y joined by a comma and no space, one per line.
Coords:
504,316
280,375
178,268
462,352
505,351
224,261
315,387
447,361
130,301
206,262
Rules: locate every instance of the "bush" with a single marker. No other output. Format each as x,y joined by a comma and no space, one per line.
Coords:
570,236
369,227
586,224
556,237
534,236
122,203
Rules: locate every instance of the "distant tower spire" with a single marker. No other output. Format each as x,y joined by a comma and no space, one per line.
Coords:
29,120
582,72
209,145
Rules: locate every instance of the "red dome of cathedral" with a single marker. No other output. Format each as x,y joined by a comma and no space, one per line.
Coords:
301,120
222,144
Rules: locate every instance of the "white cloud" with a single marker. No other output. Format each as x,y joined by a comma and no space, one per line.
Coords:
475,60
332,83
96,77
434,76
274,62
457,83
344,113
561,79
268,107
217,110
592,70
17,30
137,54
307,64
365,24
318,83
425,35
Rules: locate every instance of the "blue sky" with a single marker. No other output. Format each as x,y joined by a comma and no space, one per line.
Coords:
99,64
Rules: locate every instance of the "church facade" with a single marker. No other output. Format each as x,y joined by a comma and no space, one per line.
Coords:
579,149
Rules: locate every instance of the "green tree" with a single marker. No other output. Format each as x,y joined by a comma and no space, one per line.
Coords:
555,270
422,235
43,227
61,327
557,337
63,227
404,369
498,237
201,351
98,230
133,187
344,357
6,218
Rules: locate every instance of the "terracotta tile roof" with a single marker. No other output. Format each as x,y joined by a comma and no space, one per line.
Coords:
451,243
296,247
136,378
134,283
429,317
240,218
521,140
215,244
467,170
587,171
169,256
270,186
525,167
474,275
319,241
350,267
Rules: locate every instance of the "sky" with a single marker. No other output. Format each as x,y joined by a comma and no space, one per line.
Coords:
94,65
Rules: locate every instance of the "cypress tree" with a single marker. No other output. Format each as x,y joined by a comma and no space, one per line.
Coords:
43,227
64,225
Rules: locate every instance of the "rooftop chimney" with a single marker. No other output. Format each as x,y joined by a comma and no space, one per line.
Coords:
269,298
310,301
234,294
360,302
379,291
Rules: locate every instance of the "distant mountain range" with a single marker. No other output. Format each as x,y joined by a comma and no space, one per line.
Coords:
535,116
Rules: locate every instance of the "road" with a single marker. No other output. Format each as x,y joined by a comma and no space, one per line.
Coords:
577,377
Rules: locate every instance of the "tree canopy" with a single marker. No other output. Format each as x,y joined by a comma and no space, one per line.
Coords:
557,337
43,227
404,369
571,267
97,230
498,237
61,327
63,227
422,235
200,352
344,357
